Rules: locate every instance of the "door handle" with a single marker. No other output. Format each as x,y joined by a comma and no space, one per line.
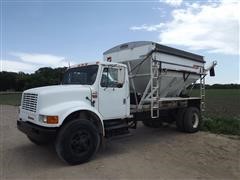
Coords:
124,101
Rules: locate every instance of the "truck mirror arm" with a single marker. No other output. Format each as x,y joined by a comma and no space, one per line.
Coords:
92,102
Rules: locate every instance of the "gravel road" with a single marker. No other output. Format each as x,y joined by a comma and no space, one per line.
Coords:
148,154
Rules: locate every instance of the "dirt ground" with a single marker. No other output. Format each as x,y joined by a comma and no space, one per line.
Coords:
148,154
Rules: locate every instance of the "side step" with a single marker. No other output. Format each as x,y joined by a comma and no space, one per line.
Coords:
115,128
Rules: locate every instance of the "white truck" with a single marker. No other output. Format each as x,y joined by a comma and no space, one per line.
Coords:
137,81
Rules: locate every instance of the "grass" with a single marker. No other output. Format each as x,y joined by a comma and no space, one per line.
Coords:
222,125
222,115
10,98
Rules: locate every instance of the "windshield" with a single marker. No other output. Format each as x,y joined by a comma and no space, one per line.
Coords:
85,75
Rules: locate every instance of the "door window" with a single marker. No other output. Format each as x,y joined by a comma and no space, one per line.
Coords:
113,77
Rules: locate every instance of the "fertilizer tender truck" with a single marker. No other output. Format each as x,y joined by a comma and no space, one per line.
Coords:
136,81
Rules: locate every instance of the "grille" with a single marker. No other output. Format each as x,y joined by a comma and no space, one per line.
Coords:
29,102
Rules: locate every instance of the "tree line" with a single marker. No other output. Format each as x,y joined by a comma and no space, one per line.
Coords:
11,81
219,86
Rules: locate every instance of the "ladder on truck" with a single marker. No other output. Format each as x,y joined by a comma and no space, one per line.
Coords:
155,87
202,92
203,73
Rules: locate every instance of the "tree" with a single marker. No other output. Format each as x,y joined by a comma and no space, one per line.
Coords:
10,81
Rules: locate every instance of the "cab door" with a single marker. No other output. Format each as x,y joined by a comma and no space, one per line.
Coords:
113,92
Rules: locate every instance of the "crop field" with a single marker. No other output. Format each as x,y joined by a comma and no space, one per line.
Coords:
221,103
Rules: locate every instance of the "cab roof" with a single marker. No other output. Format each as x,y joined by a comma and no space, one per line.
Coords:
98,63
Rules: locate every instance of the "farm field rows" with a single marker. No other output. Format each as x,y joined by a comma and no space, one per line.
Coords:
221,103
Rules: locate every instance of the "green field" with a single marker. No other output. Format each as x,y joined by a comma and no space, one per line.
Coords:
222,113
221,103
10,98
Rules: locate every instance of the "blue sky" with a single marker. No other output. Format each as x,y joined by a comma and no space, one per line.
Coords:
52,33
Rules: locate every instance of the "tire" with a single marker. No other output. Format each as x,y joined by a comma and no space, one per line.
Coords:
180,119
77,141
38,142
152,123
192,120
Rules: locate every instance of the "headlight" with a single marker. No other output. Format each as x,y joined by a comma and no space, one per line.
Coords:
49,119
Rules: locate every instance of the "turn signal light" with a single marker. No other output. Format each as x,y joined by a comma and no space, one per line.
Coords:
52,119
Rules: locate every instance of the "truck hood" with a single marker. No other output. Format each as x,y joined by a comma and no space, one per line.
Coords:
57,88
53,95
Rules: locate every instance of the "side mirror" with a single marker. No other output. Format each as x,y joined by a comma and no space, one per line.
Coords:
121,77
212,72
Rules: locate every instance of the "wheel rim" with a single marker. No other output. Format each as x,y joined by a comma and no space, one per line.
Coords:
195,120
80,142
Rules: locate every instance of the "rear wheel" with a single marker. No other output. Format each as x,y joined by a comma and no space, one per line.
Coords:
192,120
77,141
180,119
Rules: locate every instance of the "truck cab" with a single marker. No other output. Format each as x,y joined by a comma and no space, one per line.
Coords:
92,92
108,85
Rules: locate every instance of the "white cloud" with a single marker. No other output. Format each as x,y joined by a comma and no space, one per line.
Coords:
172,2
16,66
30,62
212,27
43,59
145,27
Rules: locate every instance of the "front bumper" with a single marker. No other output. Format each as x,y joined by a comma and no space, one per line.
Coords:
36,131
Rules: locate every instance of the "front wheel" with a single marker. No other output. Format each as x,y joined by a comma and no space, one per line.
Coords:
77,141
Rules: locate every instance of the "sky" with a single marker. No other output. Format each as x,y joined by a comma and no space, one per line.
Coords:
55,33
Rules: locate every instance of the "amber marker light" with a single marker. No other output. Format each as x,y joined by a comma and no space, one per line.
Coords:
52,119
